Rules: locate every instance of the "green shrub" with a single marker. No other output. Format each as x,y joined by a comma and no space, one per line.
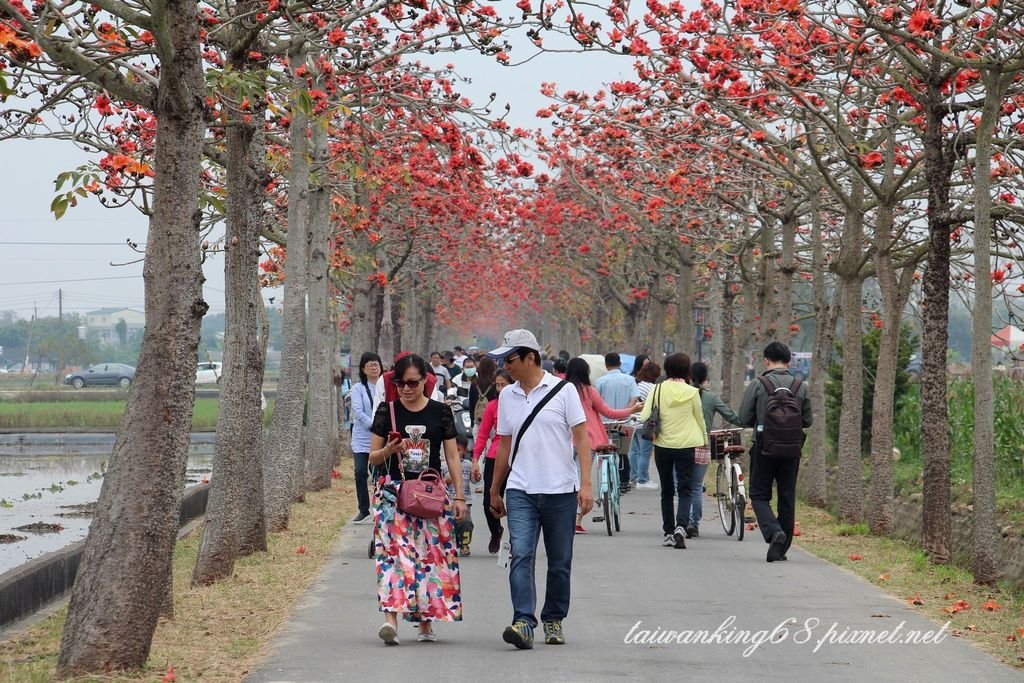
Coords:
834,382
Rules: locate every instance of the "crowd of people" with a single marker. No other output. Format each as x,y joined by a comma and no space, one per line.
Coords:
535,423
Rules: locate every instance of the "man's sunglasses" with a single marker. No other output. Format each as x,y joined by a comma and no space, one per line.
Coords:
407,383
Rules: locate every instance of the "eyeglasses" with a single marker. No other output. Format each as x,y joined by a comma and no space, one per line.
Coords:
407,383
509,359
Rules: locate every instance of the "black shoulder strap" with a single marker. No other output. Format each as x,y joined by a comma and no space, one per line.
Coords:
529,419
767,384
771,388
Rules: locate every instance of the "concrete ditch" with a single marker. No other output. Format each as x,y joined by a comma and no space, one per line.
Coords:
32,586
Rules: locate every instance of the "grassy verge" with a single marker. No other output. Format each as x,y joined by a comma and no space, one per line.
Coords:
93,415
990,618
219,631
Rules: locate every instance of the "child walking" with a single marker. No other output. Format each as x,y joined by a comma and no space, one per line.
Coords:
463,529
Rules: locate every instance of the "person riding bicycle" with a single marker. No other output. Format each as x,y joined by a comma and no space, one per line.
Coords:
594,407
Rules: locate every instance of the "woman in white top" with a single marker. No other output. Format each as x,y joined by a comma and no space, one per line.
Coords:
640,449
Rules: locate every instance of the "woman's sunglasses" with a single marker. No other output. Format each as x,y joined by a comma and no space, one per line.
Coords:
407,383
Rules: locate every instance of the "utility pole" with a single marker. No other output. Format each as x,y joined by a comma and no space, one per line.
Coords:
63,337
31,329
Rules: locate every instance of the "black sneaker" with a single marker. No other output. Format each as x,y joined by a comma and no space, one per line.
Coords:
691,532
362,518
519,634
495,544
775,547
679,536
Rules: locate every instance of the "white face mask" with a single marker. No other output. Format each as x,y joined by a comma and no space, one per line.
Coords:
470,372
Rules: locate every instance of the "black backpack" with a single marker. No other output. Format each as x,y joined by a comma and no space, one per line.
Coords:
782,435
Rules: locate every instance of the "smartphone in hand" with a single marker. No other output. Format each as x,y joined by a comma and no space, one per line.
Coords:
394,436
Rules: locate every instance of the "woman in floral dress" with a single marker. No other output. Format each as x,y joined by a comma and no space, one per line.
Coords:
417,560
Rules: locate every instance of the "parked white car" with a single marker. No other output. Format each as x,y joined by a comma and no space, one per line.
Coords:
208,373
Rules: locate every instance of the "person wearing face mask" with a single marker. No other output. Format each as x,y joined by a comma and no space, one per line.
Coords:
465,384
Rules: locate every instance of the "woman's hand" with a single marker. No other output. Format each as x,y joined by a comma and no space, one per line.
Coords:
639,407
392,447
474,474
459,510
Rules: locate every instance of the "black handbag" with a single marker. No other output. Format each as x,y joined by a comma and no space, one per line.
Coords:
652,425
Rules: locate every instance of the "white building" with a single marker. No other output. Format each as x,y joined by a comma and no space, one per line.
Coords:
105,323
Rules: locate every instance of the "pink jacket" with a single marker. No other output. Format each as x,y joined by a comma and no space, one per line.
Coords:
594,407
488,421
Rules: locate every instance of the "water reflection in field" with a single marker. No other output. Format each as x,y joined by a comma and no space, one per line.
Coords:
51,483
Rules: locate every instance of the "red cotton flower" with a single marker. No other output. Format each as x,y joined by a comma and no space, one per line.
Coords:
871,160
922,22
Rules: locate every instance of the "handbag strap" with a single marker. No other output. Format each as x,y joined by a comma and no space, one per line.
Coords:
657,398
529,419
394,428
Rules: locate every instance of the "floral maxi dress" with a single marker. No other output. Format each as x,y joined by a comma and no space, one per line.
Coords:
417,565
417,559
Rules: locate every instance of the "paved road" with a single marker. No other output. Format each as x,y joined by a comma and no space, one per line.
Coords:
618,582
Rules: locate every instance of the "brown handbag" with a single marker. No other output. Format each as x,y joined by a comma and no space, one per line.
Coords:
425,496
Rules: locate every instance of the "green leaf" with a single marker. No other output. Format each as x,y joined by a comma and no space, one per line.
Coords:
217,203
304,103
59,206
61,179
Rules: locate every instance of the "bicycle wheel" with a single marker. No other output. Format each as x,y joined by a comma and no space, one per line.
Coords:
616,499
606,502
724,499
741,504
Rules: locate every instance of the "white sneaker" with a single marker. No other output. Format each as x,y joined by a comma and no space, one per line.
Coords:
648,486
388,634
679,538
669,541
428,637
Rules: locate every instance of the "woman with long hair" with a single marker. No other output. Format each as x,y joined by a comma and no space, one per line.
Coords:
710,404
361,398
682,430
594,407
638,364
417,561
487,443
640,449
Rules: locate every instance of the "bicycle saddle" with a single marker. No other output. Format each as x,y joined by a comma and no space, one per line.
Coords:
734,449
606,448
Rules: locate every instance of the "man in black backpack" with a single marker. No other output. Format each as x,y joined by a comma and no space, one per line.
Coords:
778,407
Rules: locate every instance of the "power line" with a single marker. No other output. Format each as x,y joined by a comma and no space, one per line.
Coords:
71,244
55,282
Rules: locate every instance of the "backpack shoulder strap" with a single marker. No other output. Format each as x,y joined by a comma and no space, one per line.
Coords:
795,386
529,419
767,384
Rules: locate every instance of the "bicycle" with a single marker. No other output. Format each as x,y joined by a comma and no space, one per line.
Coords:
730,490
609,485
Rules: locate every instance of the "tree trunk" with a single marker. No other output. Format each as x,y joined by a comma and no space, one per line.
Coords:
880,495
814,472
936,517
732,391
787,269
686,333
986,539
284,453
234,521
319,445
126,563
851,477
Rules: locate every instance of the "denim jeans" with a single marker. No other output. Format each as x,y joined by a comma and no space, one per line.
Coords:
697,494
640,457
528,516
675,469
362,463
